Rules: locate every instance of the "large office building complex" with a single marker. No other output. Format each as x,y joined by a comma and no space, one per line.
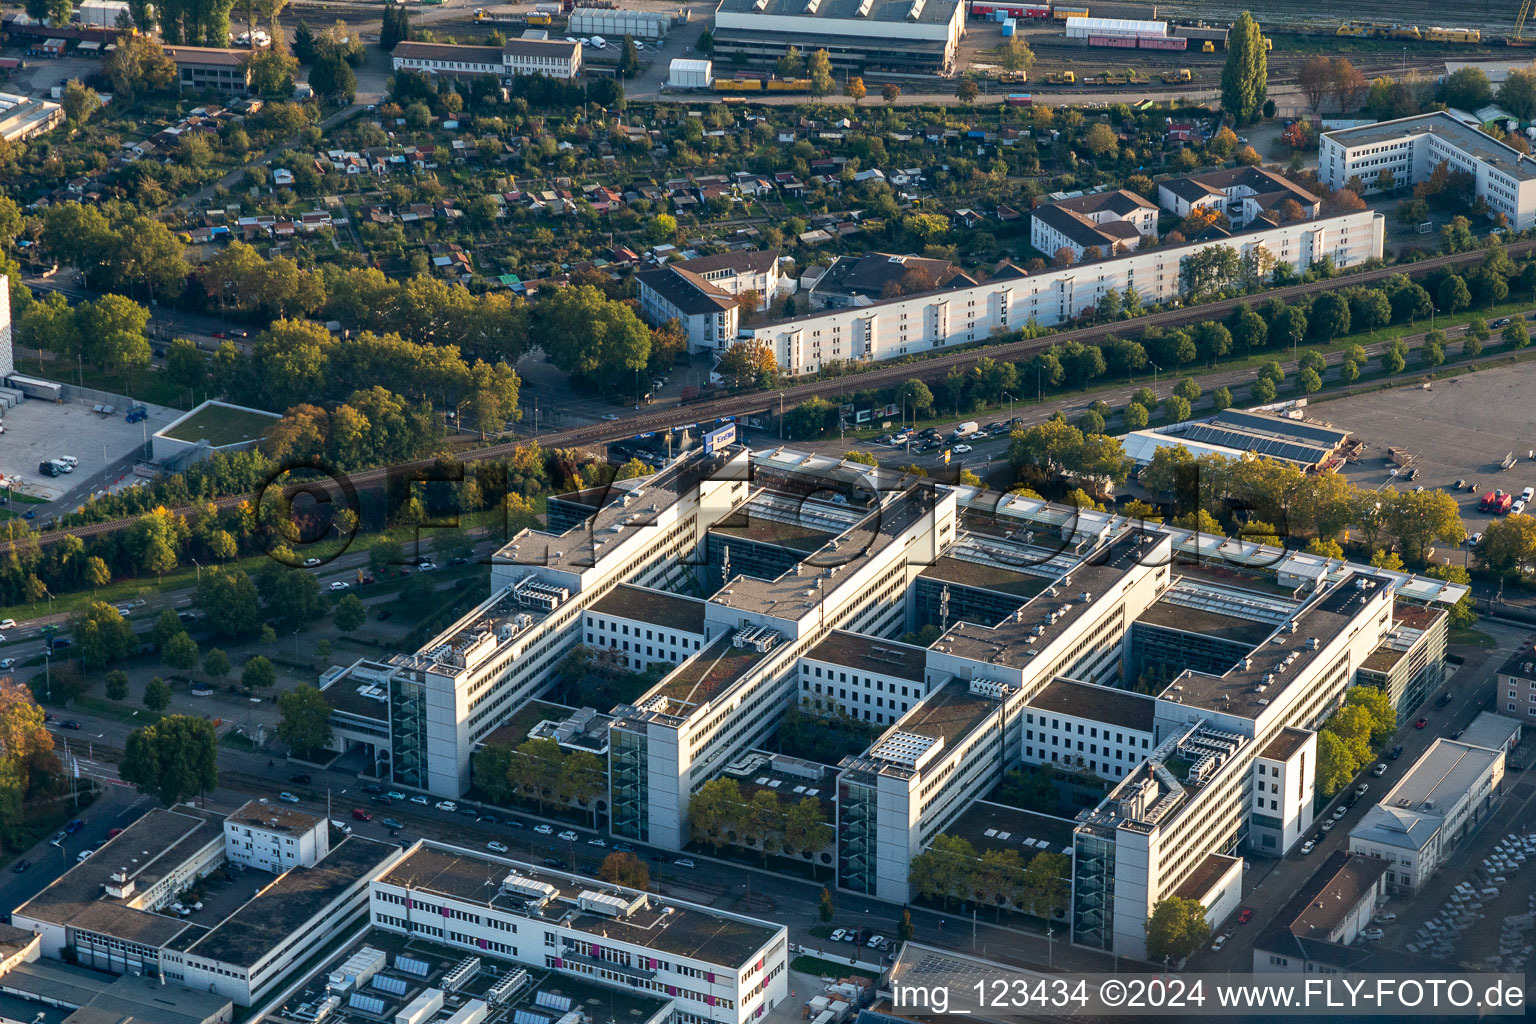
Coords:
1181,677
1410,149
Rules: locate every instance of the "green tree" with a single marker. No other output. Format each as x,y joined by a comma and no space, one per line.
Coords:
117,684
113,328
1467,89
1377,704
1245,76
967,90
180,652
175,759
79,102
629,58
825,910
157,696
624,868
102,634
592,337
350,613
271,73
1516,334
216,664
258,673
1136,416
1177,926
820,70
913,394
305,719
1452,294
945,871
1336,765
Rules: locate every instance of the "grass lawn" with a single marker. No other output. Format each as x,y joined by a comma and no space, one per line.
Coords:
828,968
1471,638
122,712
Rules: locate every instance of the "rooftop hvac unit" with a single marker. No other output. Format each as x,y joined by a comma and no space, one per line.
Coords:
610,904
388,983
410,965
461,974
865,7
505,987
916,11
529,888
811,6
552,1001
366,1004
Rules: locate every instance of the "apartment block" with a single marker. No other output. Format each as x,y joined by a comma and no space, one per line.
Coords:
1412,148
910,324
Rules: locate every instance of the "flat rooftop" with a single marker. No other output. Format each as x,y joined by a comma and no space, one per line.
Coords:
1283,657
274,817
1210,870
688,930
1465,138
759,527
298,894
657,607
147,851
627,506
479,634
348,694
1105,704
1522,664
1166,614
704,676
1017,639
985,576
949,713
221,425
1283,746
871,654
793,594
992,826
519,723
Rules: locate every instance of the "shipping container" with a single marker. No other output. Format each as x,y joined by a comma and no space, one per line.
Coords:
1061,12
1008,27
1165,43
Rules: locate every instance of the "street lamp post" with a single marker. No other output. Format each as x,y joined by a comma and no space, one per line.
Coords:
1155,369
1010,404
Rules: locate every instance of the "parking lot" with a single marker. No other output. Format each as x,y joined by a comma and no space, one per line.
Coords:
1458,429
104,445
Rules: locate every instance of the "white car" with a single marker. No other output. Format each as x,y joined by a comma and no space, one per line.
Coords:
874,941
1328,826
596,842
1371,933
1379,770
837,935
1385,918
1518,508
427,565
1339,812
684,862
125,610
395,794
569,836
496,847
338,584
961,449
422,800
1221,940
83,854
1307,847
310,563
6,664
342,826
72,462
447,805
544,830
1528,494
288,798
7,623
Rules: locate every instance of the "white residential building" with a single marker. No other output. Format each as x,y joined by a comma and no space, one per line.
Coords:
1110,223
274,837
709,314
740,271
914,324
553,58
718,966
1413,147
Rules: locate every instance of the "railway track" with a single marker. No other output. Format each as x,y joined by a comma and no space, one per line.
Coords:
789,397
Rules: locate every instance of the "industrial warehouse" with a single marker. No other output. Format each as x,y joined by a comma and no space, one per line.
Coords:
919,36
1232,433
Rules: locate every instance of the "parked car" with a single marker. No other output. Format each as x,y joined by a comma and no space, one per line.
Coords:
597,842
1328,826
1360,789
341,826
1384,918
21,865
1421,723
361,815
69,723
684,862
568,836
544,830
1221,940
875,941
496,847
554,862
1379,770
392,823
287,797
1245,915
1307,847
1371,933
395,794
837,935
1397,752
372,787
75,825
421,800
